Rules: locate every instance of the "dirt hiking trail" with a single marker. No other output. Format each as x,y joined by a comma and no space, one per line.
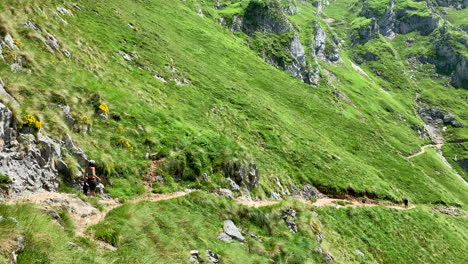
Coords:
85,215
423,150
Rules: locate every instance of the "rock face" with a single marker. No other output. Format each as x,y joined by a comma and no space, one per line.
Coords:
265,18
400,21
299,67
32,164
449,61
457,4
244,174
435,116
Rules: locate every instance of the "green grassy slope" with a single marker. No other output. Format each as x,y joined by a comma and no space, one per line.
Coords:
166,232
236,108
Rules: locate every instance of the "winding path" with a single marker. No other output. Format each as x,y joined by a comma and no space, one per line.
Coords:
85,215
423,150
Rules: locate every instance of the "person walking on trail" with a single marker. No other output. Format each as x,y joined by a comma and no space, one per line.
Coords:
90,178
405,201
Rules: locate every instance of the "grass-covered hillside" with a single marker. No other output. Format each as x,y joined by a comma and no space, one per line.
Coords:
166,232
177,83
193,93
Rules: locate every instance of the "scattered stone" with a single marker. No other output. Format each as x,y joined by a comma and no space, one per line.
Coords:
62,10
452,211
10,43
225,237
254,236
275,196
225,192
320,237
205,176
213,257
360,253
126,56
52,43
289,216
51,212
159,77
32,26
328,257
15,67
67,53
194,256
219,5
231,230
20,244
181,82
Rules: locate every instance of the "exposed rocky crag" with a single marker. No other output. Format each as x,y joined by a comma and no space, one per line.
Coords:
265,18
32,163
244,174
299,67
394,21
449,60
270,18
457,4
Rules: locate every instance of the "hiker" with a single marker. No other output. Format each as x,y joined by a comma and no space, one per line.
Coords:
90,179
405,201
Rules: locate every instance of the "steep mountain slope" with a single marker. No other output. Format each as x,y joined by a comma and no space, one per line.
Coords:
273,96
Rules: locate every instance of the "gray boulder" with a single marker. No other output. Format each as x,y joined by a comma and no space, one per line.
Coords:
52,43
225,192
225,237
276,196
213,257
231,230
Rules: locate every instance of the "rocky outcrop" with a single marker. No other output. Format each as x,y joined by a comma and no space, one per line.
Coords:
289,217
435,116
265,18
33,164
457,4
449,60
400,21
322,49
244,174
299,67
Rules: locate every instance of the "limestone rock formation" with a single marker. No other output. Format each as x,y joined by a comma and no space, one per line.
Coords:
32,164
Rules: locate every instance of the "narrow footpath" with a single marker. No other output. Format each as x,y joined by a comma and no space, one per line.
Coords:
85,215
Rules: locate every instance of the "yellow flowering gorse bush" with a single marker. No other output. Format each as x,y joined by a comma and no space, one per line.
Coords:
124,143
104,107
31,121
